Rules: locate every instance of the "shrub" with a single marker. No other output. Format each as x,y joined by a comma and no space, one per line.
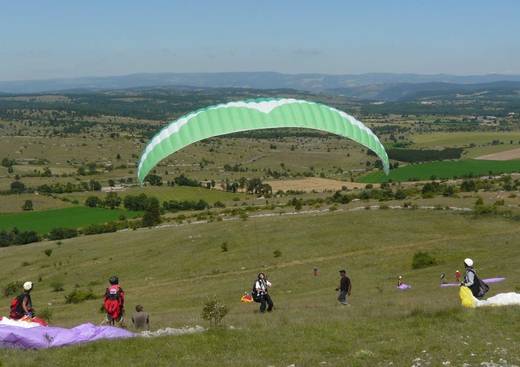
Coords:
57,286
27,205
423,260
78,296
12,288
277,253
224,247
45,314
48,252
214,311
62,233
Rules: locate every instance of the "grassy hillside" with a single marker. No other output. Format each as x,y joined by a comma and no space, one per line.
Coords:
75,217
444,170
171,271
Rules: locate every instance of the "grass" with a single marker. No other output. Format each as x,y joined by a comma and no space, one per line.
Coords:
75,217
172,271
444,170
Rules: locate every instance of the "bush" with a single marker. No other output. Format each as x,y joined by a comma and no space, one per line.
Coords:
214,311
93,202
100,228
277,253
62,233
423,260
12,288
224,247
45,314
78,296
27,205
57,286
48,252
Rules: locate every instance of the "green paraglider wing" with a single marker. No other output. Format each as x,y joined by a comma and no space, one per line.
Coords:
252,115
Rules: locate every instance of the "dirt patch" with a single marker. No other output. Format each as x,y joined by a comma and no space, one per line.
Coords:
313,183
502,156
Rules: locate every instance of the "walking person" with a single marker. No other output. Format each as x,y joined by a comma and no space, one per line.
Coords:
345,288
260,293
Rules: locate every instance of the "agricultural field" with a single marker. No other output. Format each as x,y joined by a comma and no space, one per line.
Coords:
73,217
474,143
14,203
173,270
444,170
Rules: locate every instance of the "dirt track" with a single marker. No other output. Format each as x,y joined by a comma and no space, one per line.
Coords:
313,183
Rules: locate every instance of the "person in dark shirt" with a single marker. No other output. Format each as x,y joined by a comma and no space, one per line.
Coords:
345,287
141,319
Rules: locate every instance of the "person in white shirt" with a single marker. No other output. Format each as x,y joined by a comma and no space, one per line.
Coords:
261,293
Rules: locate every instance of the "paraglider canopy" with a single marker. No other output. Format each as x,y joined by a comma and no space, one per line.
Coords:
256,114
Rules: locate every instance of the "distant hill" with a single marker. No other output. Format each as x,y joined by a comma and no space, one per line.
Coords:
370,85
414,91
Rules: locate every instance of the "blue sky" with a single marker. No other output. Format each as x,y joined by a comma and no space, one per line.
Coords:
49,39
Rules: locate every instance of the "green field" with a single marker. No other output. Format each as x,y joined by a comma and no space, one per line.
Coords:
75,217
443,170
171,271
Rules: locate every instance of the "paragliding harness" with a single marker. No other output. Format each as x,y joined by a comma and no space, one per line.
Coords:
113,303
479,288
257,296
16,310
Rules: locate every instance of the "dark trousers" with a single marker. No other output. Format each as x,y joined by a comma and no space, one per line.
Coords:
266,301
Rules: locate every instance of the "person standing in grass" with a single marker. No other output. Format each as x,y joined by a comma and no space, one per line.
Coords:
345,287
141,319
114,302
261,295
472,281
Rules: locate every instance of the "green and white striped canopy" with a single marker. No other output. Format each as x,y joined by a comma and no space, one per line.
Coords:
256,114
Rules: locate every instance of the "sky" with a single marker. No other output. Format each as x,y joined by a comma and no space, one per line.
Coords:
63,38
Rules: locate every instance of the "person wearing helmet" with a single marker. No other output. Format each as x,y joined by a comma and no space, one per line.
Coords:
260,293
22,305
114,302
472,281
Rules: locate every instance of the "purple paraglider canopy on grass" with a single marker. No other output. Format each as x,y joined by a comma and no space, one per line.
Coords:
48,337
488,280
404,286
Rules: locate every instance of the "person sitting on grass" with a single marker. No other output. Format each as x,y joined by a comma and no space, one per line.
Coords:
141,319
22,305
260,293
345,287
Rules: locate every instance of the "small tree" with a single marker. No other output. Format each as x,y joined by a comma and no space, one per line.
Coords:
17,187
214,311
152,214
92,201
28,205
112,200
